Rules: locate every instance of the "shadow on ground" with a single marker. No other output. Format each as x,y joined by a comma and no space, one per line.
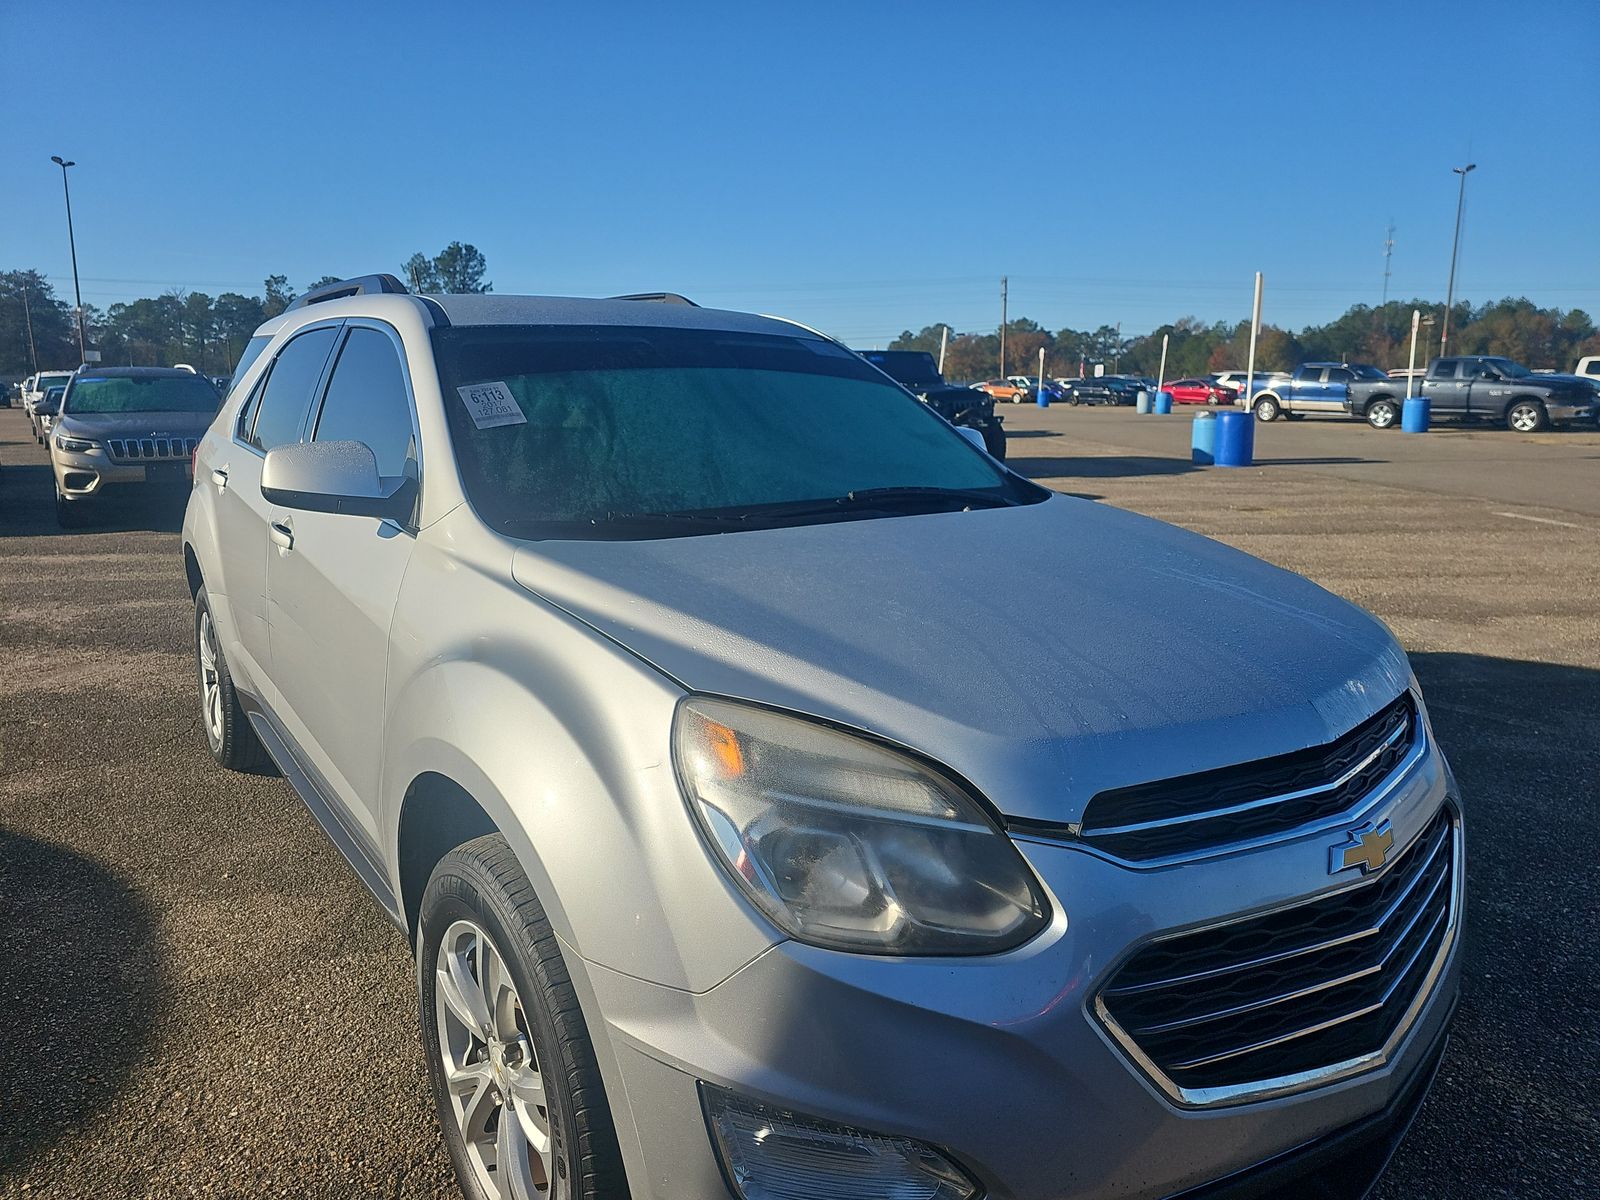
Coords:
1523,1072
79,988
27,506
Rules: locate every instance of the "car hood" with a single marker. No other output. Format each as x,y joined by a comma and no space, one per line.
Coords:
1044,652
136,425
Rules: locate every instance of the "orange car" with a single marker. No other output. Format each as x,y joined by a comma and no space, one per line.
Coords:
1004,389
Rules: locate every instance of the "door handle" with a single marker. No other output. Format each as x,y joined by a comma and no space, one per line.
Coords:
219,476
282,534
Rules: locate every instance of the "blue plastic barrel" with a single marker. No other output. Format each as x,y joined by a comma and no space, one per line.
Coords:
1163,402
1141,402
1203,440
1236,439
1414,415
1044,396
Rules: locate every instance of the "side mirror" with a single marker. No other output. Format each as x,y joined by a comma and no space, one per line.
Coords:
47,408
972,435
333,477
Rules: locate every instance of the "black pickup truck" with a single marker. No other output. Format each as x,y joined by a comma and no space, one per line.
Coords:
1477,387
916,371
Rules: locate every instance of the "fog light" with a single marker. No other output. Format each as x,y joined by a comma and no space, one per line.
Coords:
770,1154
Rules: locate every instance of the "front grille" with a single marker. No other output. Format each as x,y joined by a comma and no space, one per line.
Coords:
146,449
1195,813
1300,989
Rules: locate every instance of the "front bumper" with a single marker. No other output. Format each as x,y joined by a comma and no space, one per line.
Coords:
83,475
1000,1061
1577,410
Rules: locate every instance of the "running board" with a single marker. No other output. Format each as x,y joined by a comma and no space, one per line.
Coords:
356,853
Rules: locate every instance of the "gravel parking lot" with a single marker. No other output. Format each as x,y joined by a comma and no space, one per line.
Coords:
199,1000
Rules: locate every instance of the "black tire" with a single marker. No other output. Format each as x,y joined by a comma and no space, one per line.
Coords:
71,514
1527,416
1266,408
229,737
482,882
994,441
1382,414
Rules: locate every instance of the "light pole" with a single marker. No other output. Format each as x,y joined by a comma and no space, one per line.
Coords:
1455,247
72,244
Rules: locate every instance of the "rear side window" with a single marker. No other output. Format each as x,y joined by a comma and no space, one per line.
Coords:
286,395
367,402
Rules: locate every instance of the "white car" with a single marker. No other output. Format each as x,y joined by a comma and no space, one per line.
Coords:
1588,368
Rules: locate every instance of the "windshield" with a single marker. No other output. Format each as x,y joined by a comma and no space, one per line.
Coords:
47,382
1507,368
142,394
914,368
1366,372
573,431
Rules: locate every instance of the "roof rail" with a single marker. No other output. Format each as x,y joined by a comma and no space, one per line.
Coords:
659,298
361,285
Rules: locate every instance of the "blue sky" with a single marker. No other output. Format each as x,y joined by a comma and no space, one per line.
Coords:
860,167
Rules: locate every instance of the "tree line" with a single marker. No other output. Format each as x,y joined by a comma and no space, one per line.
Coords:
38,331
1514,328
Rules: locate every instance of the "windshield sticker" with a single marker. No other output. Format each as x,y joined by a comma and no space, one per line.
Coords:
491,405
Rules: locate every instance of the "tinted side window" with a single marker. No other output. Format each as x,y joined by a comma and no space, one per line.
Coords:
367,402
1445,368
287,392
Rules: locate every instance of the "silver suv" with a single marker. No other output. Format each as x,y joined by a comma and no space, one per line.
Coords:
660,672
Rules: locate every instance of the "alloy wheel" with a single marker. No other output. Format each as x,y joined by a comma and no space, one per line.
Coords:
210,680
497,1090
1525,418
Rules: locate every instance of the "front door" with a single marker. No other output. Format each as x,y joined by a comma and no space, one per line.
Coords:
334,585
272,416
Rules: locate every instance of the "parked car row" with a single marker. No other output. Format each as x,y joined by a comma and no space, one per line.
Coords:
1470,387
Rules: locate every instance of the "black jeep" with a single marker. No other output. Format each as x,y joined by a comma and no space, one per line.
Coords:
916,371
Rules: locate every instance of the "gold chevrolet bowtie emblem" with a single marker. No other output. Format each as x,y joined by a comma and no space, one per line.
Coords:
1366,848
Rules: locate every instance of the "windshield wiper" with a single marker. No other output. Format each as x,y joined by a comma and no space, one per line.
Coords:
968,497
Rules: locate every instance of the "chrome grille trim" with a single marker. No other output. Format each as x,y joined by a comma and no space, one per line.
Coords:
1446,848
141,450
1084,836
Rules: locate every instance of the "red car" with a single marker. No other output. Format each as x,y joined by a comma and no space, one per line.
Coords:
1200,391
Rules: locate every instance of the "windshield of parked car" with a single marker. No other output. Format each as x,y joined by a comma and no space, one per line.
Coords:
1507,368
568,431
46,382
1366,372
142,394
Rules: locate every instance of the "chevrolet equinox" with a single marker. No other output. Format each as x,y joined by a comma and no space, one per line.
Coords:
660,671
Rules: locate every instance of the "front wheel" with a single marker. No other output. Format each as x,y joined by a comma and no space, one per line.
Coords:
1526,416
515,1081
1266,409
1381,414
229,737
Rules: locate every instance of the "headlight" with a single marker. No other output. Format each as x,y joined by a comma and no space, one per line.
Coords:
847,844
74,445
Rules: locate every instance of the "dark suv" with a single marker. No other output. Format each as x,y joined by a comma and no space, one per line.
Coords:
126,425
916,371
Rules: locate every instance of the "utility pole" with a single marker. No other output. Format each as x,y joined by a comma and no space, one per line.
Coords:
1003,287
1116,352
1388,253
944,341
72,243
27,315
1455,247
